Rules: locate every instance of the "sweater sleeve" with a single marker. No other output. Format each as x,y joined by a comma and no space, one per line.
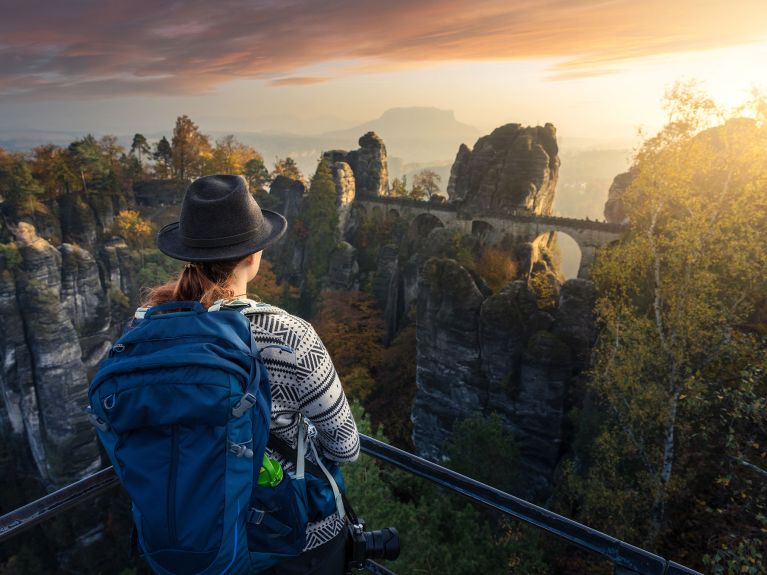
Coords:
323,401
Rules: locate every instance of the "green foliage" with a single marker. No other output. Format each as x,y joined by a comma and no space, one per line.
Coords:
257,175
18,186
544,285
320,218
309,296
678,462
440,533
140,147
479,447
9,255
163,157
87,162
157,268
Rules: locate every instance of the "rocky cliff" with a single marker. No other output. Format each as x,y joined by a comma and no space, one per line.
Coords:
480,354
513,168
55,307
369,165
614,209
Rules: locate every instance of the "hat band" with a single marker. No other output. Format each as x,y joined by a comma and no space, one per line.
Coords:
219,242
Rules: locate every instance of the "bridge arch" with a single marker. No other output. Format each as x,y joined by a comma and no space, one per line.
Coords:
422,225
567,249
485,231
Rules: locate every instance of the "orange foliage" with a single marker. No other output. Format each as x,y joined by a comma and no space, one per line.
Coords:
392,400
497,267
352,329
265,287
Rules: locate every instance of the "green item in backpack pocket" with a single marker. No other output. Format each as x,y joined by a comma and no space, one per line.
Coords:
271,472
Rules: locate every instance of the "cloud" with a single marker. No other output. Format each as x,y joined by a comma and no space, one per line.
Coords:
298,81
120,47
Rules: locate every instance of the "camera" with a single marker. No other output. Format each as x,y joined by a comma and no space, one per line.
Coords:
363,545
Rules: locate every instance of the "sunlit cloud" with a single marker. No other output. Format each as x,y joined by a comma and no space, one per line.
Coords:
298,81
102,47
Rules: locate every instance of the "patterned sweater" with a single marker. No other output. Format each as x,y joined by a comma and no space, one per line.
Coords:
305,382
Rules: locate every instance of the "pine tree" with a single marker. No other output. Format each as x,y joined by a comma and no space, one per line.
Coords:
321,220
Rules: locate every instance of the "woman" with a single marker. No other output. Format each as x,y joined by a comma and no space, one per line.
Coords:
221,233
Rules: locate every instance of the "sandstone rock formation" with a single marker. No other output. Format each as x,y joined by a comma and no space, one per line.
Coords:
479,354
369,164
56,323
346,186
614,210
511,169
343,271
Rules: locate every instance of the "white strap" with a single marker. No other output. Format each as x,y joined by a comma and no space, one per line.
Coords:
331,480
301,448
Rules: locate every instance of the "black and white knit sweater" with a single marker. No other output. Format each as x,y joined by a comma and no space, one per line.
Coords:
304,381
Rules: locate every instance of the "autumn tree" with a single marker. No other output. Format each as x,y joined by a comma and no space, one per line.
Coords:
191,149
399,187
135,229
287,167
49,167
352,329
678,364
163,157
230,156
428,181
18,187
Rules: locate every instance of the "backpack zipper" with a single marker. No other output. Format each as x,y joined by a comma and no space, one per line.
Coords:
172,479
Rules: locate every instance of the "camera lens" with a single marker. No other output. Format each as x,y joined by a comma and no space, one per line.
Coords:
382,544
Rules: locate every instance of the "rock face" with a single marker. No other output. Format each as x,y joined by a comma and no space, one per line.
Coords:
369,164
346,186
512,169
56,321
479,354
459,174
343,271
614,209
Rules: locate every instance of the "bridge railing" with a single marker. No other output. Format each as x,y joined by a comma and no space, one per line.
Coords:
626,558
520,215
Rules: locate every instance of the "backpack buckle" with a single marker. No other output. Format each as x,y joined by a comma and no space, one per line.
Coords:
241,450
244,404
96,420
255,516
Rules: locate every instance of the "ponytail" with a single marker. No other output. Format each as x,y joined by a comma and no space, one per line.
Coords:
205,282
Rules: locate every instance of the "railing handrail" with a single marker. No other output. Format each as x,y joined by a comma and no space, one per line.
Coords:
627,558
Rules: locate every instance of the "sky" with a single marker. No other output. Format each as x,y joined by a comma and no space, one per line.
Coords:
596,69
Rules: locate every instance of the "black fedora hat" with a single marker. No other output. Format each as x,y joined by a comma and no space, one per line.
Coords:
219,220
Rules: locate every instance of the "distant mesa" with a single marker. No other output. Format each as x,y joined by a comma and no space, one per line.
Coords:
511,169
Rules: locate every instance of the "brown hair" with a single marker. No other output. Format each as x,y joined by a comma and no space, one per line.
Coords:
205,282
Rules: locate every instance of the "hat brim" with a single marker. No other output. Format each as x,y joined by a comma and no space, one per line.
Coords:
170,243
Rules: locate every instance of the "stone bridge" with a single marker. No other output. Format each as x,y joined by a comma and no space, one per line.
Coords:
589,235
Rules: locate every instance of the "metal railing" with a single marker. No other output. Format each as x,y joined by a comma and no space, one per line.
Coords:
627,559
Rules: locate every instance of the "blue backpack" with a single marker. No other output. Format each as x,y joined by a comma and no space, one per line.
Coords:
182,405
